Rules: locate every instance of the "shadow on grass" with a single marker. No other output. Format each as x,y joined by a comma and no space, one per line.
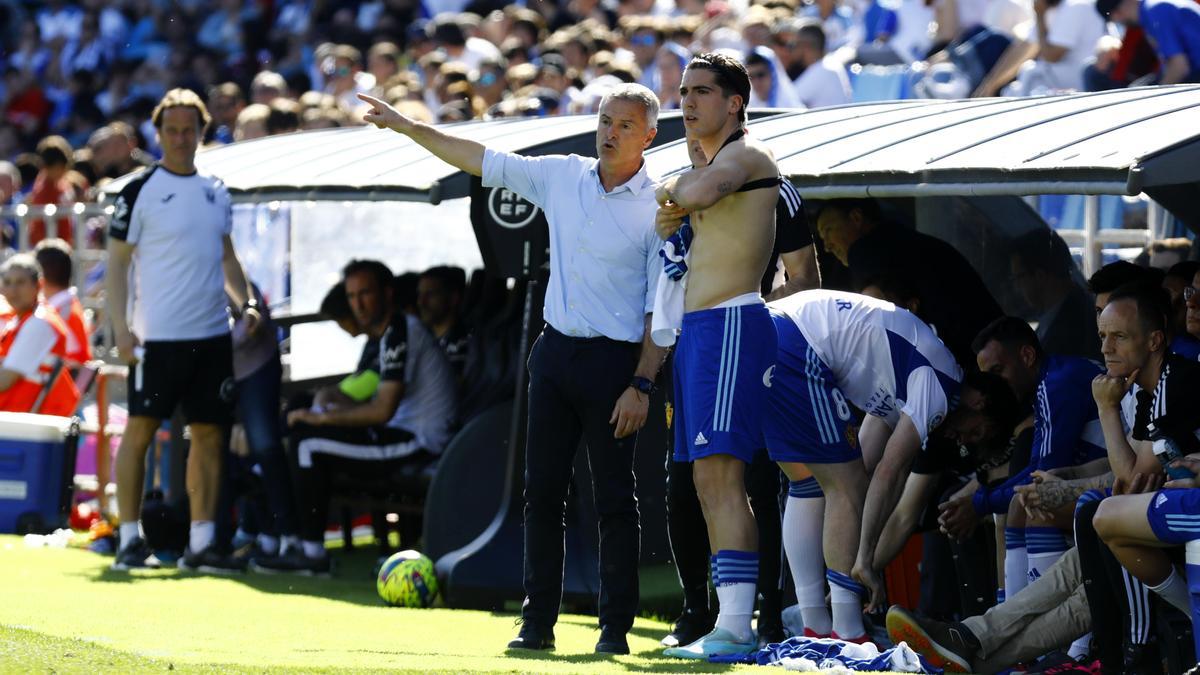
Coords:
655,634
651,660
353,581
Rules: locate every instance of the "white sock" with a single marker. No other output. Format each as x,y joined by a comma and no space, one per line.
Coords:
847,612
268,544
200,536
288,542
1016,562
1044,546
736,590
736,603
129,532
314,549
1174,589
1080,647
803,519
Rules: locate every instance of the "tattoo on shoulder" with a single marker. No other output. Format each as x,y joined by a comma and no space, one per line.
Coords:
725,187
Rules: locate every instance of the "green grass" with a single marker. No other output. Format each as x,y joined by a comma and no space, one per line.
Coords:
64,611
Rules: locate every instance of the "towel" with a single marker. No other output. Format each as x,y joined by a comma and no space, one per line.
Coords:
800,653
668,297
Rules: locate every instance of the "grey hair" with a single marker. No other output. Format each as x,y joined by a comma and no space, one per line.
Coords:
24,262
9,169
638,94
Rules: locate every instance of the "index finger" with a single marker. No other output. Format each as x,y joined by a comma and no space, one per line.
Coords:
370,99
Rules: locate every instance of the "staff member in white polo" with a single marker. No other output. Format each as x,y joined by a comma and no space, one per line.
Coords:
604,266
174,222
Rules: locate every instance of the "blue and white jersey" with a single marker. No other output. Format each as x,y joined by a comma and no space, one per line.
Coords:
885,360
1066,426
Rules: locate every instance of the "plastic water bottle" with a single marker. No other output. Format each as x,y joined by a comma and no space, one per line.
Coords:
1167,451
1193,578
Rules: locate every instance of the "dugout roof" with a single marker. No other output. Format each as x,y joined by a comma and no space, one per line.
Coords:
1124,141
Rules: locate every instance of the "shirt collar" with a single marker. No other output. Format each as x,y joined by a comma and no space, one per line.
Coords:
640,180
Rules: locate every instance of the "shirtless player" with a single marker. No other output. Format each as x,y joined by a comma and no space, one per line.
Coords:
727,345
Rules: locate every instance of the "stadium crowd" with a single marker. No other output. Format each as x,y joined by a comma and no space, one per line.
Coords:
1055,493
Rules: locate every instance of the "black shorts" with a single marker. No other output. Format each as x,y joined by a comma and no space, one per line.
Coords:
195,373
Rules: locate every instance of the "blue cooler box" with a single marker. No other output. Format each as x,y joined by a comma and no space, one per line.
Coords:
37,466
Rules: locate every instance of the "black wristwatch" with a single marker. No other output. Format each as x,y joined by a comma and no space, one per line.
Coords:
643,384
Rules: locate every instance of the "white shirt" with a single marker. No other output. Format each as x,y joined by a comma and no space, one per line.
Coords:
177,224
604,262
32,345
868,345
428,406
1076,26
824,83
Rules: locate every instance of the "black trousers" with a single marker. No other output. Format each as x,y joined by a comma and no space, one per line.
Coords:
689,534
573,385
1119,604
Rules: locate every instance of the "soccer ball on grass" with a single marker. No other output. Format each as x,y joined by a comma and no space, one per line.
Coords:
407,579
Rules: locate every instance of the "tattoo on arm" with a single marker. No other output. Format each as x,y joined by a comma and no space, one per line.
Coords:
724,187
1057,494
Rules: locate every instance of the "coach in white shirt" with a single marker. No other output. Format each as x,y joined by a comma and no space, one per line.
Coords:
595,350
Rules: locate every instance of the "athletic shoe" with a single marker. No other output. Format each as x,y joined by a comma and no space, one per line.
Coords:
612,642
689,627
950,646
719,642
135,555
211,561
533,636
860,640
293,561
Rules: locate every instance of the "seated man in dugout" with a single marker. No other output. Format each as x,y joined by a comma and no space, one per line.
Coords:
405,421
54,257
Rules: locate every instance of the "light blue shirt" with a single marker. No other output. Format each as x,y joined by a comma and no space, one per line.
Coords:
604,263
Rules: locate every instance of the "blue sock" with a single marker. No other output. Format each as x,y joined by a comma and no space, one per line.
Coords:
716,578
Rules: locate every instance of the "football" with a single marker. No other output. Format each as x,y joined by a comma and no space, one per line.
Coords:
407,579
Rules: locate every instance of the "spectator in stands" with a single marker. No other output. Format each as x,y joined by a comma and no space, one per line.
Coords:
837,22
115,151
1192,300
252,122
175,221
953,299
52,186
1068,32
644,37
54,257
769,84
225,102
345,77
267,86
1042,270
404,424
10,189
824,81
32,343
439,301
1173,27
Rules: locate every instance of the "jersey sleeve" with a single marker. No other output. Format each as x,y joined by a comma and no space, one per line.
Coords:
124,224
1063,413
226,203
927,403
791,227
